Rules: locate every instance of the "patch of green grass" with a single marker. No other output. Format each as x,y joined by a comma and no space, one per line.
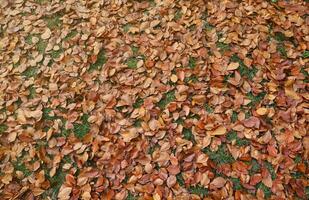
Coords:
138,103
70,35
46,116
306,74
178,14
31,92
180,180
208,108
56,53
265,189
81,129
198,190
191,79
101,60
3,128
234,117
179,121
151,149
280,37
228,76
53,21
137,123
297,175
41,1
126,27
221,156
255,167
55,183
282,50
28,39
243,69
236,183
298,159
30,72
192,63
167,98
132,62
271,170
134,50
41,46
306,54
131,196
232,135
19,166
188,135
207,26
255,99
223,47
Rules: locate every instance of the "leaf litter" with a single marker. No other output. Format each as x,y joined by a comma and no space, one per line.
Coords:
154,99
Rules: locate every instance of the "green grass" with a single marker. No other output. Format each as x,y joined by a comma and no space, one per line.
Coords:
81,129
234,117
255,167
306,54
243,69
188,135
53,21
306,74
223,47
70,35
191,79
137,123
297,175
180,180
31,92
19,166
3,128
28,39
221,156
41,46
265,189
208,108
30,72
101,60
134,50
56,53
41,1
281,49
131,196
178,15
192,63
46,116
55,183
132,62
255,99
138,103
232,135
271,170
126,27
236,183
167,98
198,190
298,159
207,26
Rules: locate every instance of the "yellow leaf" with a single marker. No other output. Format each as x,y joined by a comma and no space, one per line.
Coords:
219,131
261,111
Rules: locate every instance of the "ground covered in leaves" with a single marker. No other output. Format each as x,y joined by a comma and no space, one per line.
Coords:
163,99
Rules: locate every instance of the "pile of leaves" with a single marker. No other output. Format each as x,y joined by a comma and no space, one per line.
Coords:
154,99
